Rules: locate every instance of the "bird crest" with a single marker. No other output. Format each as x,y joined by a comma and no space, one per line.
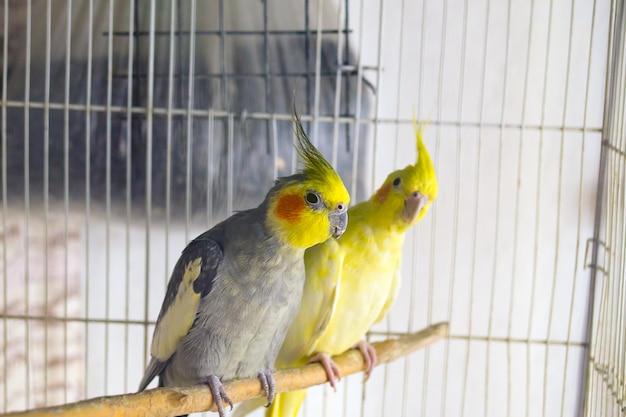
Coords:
315,165
424,165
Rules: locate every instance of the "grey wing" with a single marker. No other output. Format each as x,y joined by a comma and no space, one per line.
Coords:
192,279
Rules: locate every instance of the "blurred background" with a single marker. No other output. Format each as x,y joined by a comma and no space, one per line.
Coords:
130,127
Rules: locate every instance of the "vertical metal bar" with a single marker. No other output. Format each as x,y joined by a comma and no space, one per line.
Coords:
477,189
294,157
266,63
222,55
139,64
209,180
338,76
420,82
497,208
426,357
180,52
612,236
274,137
608,322
107,238
456,193
27,197
149,132
620,361
230,164
538,212
46,192
357,108
168,139
318,70
129,149
514,262
88,184
600,335
190,97
603,325
66,185
618,267
5,299
328,400
580,209
620,274
377,106
558,217
398,96
347,56
433,215
307,54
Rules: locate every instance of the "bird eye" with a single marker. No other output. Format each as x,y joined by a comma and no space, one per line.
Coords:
312,198
396,182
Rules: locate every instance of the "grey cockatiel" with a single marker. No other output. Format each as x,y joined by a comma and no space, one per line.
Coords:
236,288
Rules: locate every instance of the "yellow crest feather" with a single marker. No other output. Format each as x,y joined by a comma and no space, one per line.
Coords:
316,167
423,163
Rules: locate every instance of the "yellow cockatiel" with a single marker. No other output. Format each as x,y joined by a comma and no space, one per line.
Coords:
352,282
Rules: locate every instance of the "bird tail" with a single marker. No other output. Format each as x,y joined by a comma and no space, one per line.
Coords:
286,404
247,407
155,367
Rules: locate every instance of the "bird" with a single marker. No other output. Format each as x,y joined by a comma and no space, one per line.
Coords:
352,283
236,288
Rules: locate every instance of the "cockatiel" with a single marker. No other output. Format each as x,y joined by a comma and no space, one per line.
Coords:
236,288
351,283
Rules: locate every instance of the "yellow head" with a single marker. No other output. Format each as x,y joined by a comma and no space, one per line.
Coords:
309,207
407,194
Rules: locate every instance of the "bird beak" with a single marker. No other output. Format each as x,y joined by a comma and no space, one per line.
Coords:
338,222
413,204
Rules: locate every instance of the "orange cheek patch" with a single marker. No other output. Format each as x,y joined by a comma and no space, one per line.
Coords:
381,194
289,207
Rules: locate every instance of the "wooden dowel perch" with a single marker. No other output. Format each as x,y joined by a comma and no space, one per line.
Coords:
164,402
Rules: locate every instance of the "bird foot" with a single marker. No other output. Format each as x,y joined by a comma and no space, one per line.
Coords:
332,371
369,354
219,394
268,384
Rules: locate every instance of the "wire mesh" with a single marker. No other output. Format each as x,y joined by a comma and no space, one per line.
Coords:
130,127
606,373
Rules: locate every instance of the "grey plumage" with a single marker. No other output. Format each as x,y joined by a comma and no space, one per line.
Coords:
262,292
236,288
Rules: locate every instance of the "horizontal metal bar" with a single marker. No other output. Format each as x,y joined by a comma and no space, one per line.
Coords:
614,148
35,317
197,76
230,32
221,114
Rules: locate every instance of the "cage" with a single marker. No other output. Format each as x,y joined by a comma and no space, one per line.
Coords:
129,127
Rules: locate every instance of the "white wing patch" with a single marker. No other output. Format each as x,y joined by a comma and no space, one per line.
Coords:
180,315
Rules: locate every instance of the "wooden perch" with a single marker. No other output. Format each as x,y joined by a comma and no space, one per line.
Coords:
164,402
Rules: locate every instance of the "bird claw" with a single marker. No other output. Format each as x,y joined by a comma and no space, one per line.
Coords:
219,394
369,354
268,384
332,371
